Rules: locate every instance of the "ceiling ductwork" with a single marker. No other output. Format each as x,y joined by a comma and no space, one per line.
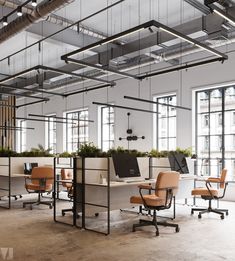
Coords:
55,19
21,23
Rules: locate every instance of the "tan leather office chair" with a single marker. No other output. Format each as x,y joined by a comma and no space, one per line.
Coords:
211,193
41,181
164,191
67,174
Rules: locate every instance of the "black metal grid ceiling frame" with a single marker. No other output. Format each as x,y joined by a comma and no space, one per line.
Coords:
160,26
46,68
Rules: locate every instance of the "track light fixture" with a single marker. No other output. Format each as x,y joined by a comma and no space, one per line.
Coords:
34,3
4,21
19,11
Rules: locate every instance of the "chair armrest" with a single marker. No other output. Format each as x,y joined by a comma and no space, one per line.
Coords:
214,180
145,186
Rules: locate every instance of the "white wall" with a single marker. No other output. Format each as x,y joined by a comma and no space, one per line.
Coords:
141,123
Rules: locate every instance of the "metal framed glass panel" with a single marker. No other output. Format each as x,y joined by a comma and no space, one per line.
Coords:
51,133
76,130
107,128
215,131
166,123
22,136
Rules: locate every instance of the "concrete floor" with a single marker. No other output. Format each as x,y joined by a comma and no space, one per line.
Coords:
34,236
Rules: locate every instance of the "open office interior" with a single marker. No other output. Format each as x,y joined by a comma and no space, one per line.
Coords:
117,127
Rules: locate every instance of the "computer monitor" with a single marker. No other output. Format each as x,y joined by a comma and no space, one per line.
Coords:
126,165
178,162
29,166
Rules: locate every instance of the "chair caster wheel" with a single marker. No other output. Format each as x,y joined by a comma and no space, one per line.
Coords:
31,207
21,196
96,214
222,216
199,216
177,229
50,207
192,212
227,213
63,214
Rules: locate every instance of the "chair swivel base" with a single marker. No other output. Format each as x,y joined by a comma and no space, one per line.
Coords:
208,210
48,203
154,223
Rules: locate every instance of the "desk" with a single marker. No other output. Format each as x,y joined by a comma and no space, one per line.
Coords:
11,186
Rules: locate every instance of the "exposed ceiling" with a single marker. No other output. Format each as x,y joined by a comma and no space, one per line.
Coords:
133,51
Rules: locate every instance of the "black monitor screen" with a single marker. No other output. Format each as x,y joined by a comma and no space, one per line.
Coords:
126,165
29,166
178,163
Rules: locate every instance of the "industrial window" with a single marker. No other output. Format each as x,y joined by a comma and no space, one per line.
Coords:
50,133
76,129
107,128
22,136
215,142
165,130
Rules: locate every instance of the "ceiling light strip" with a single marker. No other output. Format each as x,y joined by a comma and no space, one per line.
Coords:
71,60
40,120
87,90
109,39
56,117
222,14
15,127
189,40
178,68
157,103
30,90
122,107
24,95
29,103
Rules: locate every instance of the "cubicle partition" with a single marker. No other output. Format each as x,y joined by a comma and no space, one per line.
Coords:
12,177
5,182
63,202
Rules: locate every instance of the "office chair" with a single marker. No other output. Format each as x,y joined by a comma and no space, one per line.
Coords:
41,181
211,193
164,191
67,174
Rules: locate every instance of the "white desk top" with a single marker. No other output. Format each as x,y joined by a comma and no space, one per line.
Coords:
15,175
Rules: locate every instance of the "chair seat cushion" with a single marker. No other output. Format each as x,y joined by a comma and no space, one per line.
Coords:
151,200
36,187
204,192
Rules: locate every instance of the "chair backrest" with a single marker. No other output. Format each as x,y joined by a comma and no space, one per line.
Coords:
167,179
223,178
41,173
66,174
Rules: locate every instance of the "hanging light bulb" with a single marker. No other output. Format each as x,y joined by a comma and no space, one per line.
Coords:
19,11
34,3
5,23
